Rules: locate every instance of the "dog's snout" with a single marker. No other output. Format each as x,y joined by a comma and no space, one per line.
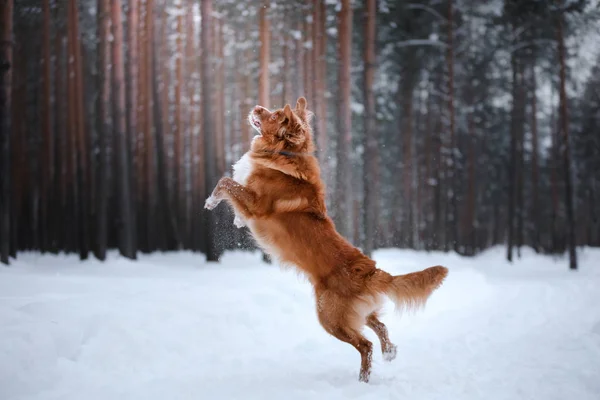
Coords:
258,110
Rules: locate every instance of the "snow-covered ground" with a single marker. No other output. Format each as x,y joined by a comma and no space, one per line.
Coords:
171,327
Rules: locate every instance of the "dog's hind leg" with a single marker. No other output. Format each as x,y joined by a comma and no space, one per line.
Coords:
388,349
343,323
360,343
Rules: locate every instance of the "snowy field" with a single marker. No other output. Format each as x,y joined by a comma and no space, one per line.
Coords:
172,327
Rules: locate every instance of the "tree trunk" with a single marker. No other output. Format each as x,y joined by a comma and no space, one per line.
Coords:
520,158
512,165
78,136
343,193
265,43
169,236
566,153
125,234
6,47
370,140
150,127
298,79
208,125
320,82
451,227
405,101
307,67
104,124
58,215
190,128
220,96
178,185
286,92
132,109
48,147
535,174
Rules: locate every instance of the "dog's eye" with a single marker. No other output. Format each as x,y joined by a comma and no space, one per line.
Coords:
273,117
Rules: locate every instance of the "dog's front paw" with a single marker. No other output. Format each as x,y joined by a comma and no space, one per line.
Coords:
239,222
211,202
390,353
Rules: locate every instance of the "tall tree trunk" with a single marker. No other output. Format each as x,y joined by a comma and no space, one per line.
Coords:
370,155
286,92
566,152
306,67
520,158
59,213
265,43
535,174
220,96
405,100
126,227
298,79
244,76
343,193
132,109
103,124
190,129
48,150
320,82
77,126
512,164
140,138
169,237
451,227
200,190
151,145
208,125
6,47
178,185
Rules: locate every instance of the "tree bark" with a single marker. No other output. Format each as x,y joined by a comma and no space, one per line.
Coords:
78,136
6,47
566,153
265,43
125,234
320,82
370,155
104,124
343,193
512,165
48,146
307,49
535,174
220,96
178,194
452,224
132,111
210,169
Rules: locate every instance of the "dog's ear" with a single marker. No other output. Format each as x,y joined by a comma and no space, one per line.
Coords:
302,112
287,111
301,105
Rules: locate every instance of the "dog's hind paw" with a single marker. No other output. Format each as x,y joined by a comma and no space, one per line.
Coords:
364,376
390,353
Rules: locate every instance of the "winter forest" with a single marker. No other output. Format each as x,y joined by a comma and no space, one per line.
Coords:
451,125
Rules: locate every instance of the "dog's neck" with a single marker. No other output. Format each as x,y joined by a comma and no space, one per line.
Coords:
285,153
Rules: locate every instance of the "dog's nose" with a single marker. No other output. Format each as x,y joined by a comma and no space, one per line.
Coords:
259,110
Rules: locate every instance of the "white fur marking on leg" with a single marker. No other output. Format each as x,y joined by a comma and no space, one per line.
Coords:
211,202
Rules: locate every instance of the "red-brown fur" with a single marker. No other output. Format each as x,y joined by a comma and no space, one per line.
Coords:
283,202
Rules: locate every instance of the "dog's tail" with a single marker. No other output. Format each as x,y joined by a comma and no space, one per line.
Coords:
411,291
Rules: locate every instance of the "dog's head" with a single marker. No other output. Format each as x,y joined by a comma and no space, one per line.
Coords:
285,129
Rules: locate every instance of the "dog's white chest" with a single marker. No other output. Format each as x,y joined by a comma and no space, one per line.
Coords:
242,169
